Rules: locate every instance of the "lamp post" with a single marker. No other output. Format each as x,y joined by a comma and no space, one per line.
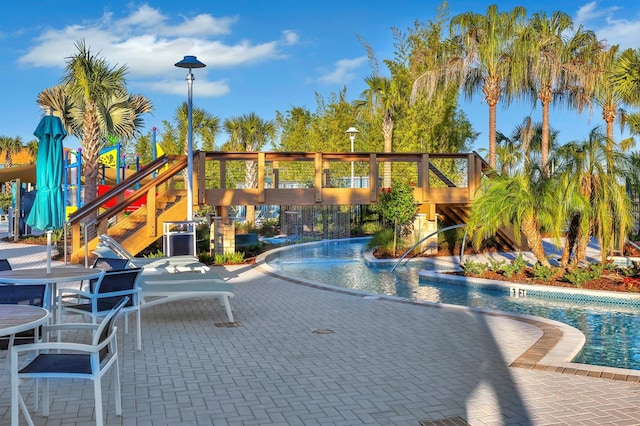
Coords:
190,62
352,132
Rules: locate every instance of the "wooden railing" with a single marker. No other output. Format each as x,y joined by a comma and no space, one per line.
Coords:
146,181
319,179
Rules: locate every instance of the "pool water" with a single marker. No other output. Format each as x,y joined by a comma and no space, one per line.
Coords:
612,331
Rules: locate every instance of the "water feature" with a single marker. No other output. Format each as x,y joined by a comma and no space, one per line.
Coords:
612,330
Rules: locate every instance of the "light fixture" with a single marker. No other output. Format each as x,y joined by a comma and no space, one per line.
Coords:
352,132
190,62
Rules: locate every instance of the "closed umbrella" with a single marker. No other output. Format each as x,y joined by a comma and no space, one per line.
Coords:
48,211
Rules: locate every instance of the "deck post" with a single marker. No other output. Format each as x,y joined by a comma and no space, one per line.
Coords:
261,164
423,177
373,178
471,175
318,176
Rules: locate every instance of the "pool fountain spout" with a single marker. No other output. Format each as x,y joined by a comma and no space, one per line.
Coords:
446,228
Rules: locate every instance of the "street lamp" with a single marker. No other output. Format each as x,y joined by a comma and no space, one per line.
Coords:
190,62
352,132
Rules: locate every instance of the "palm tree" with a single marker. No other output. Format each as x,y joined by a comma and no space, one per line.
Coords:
9,146
205,125
249,133
384,98
92,103
624,79
549,59
523,147
531,208
485,60
596,172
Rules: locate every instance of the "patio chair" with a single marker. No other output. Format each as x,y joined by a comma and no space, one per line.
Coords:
68,360
101,296
23,294
110,263
5,265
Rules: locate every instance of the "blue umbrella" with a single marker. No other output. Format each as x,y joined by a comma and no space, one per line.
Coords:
48,211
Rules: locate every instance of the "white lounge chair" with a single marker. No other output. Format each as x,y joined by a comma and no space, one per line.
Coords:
108,247
168,287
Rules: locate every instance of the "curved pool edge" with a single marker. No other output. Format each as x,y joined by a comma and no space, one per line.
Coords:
552,352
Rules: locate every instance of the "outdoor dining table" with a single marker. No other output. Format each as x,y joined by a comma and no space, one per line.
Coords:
16,319
51,277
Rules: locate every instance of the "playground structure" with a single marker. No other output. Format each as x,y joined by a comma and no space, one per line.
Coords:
114,169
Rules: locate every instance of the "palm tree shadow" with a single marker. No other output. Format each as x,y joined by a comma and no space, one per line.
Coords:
481,378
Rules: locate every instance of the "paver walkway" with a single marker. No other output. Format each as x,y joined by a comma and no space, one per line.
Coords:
306,356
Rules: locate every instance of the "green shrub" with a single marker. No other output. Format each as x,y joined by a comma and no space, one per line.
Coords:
229,258
205,258
519,264
154,255
496,265
542,272
472,267
578,276
382,240
269,227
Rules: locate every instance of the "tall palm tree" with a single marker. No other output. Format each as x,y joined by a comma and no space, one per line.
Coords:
383,97
8,147
624,79
92,102
485,62
249,133
548,58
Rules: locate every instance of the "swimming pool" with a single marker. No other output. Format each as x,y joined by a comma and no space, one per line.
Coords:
612,330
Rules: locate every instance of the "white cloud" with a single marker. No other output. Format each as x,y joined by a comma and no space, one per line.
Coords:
611,24
149,45
204,87
290,37
343,71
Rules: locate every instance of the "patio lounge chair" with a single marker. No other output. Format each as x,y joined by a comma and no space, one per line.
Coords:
108,247
161,288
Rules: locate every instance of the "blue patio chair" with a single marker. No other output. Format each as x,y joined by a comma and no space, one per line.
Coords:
22,294
66,360
110,263
5,265
101,296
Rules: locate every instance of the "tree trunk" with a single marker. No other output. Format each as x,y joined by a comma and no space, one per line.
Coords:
534,239
545,100
570,241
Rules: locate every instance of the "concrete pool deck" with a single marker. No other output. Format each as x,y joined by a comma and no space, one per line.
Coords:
306,356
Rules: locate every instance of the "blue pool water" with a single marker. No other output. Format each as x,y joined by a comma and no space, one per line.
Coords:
612,331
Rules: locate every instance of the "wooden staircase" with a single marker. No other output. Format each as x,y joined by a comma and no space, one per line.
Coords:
166,201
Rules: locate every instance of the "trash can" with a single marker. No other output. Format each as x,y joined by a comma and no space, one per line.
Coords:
179,238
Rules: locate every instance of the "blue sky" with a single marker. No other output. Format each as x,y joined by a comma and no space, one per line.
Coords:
261,56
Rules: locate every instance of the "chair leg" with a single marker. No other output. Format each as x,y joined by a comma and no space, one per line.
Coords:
138,331
118,389
45,398
227,305
97,394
